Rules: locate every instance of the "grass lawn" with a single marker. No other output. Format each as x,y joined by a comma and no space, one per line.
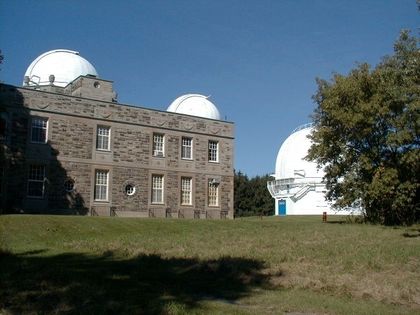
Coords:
77,265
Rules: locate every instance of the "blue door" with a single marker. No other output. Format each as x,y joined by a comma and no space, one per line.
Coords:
282,207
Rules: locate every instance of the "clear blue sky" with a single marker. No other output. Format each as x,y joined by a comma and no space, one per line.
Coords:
257,59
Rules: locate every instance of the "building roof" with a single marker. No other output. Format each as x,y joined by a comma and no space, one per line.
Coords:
291,161
64,65
195,105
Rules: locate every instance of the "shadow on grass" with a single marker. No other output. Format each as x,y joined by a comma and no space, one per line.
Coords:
336,222
146,284
412,233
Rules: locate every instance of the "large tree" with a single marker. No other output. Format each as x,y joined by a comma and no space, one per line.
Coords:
366,136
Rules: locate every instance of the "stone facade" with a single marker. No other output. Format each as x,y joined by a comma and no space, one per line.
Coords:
70,155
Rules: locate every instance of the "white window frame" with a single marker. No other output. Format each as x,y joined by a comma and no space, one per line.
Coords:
158,184
158,144
103,138
39,130
186,191
213,151
213,193
101,185
36,176
186,147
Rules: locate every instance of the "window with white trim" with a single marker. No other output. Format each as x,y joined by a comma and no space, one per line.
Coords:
103,137
36,181
39,129
213,193
157,189
213,151
186,191
101,185
158,144
186,148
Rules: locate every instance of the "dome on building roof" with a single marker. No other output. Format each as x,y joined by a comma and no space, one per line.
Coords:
291,161
64,65
194,105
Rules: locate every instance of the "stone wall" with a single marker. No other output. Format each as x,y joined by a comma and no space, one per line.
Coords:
71,153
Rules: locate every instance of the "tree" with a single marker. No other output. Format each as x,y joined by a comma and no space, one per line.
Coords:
252,196
367,136
242,193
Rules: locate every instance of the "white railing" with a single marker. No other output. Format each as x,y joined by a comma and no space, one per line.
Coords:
282,187
303,191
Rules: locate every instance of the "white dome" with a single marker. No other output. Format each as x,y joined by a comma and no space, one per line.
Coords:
291,161
65,65
194,105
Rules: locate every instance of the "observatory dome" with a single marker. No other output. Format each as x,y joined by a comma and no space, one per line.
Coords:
65,65
195,105
291,161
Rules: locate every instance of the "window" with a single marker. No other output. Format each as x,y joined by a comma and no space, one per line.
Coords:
157,189
213,151
102,138
36,181
101,185
130,189
39,127
186,186
186,148
1,179
158,144
3,128
69,185
213,193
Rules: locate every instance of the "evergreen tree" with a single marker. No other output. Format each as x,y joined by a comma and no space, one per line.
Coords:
251,196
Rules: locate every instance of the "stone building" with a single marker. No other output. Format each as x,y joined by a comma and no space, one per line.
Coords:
68,146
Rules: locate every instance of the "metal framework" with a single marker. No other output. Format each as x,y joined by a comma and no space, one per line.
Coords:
283,187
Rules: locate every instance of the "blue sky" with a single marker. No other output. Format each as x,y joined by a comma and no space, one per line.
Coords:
257,59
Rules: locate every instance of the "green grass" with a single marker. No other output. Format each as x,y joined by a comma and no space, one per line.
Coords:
73,265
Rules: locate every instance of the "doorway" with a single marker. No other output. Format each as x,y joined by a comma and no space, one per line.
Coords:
282,207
